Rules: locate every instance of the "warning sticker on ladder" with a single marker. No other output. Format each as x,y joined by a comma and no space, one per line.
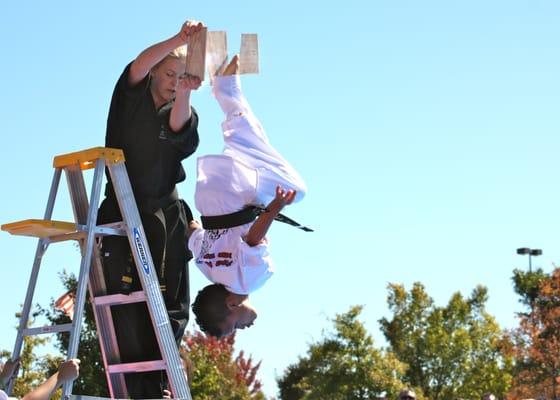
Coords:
141,250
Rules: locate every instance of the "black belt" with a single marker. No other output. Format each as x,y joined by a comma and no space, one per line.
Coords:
248,214
146,204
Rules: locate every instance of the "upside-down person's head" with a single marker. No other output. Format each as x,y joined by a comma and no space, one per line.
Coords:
220,312
165,75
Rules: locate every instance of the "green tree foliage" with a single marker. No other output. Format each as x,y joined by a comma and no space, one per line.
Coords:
343,365
527,285
32,369
537,340
214,372
456,351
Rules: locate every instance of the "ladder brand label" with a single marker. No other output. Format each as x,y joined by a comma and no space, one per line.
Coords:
141,250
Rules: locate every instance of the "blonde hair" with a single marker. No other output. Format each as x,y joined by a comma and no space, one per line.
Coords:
180,53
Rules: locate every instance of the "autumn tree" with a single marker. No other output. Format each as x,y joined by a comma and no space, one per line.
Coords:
215,373
537,340
344,364
456,351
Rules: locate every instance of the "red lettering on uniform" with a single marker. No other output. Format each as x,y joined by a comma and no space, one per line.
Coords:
209,263
225,263
209,255
224,254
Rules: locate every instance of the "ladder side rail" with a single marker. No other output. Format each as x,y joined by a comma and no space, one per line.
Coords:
96,285
146,272
107,336
41,248
78,193
84,268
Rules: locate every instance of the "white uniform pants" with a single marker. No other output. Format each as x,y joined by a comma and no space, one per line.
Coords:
245,139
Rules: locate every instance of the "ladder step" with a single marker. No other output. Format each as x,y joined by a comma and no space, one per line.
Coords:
39,228
86,158
114,228
142,366
114,299
41,330
59,231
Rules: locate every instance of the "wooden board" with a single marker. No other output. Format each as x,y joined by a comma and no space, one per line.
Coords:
216,51
196,54
249,54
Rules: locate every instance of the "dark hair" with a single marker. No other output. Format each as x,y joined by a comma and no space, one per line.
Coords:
210,309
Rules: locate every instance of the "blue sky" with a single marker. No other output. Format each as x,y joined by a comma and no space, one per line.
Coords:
427,133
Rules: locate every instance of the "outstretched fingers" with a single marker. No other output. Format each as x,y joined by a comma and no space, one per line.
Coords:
291,196
285,197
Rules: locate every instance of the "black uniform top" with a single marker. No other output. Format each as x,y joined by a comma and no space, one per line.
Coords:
153,152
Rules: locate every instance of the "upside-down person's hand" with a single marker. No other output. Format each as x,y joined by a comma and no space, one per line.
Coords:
282,199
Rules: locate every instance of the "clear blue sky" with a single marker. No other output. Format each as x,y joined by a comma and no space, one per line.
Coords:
428,134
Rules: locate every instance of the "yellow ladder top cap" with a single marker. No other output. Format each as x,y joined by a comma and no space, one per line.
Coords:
86,158
39,228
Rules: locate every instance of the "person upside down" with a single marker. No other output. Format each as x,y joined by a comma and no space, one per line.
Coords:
234,255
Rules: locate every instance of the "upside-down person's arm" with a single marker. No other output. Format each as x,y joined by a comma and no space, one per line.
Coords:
260,227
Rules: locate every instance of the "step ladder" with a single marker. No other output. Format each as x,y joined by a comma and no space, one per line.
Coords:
85,230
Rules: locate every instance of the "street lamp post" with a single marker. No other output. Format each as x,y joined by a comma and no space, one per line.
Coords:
530,252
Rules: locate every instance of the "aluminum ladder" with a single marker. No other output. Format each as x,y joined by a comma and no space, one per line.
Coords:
85,230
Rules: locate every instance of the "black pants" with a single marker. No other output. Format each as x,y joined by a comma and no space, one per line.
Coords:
134,330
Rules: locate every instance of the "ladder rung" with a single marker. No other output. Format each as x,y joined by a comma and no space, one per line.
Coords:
114,299
39,228
86,158
142,366
41,330
111,229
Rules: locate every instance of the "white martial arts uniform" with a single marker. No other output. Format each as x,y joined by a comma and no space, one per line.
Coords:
247,173
4,396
